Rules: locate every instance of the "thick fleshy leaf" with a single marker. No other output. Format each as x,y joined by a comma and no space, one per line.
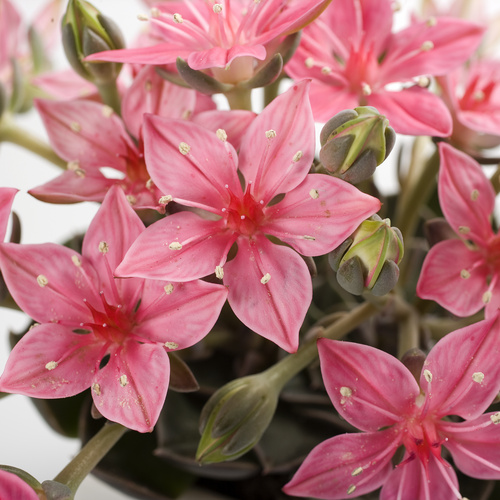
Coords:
51,361
475,445
149,93
461,374
131,388
277,151
181,247
178,314
430,48
13,487
350,464
466,196
6,199
190,163
413,111
269,290
86,132
455,277
368,387
412,477
319,214
48,281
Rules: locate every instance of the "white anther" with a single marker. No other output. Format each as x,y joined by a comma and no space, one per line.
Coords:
310,238
165,200
42,280
309,62
366,89
432,21
474,195
464,229
297,156
345,392
155,12
351,489
107,111
76,260
271,134
150,184
219,272
178,19
426,46
478,377
217,8
464,274
96,388
428,376
168,288
75,127
175,245
73,165
314,194
103,247
131,199
423,81
123,380
142,17
478,95
495,418
357,472
326,70
265,279
221,134
51,365
184,148
171,345
487,297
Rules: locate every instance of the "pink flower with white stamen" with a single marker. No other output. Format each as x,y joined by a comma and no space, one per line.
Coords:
376,393
269,284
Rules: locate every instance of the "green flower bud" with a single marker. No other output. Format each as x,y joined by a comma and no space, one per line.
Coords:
355,142
86,31
235,417
369,259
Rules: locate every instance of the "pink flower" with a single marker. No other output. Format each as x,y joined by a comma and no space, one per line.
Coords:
99,332
6,199
376,393
230,36
89,136
269,284
352,55
462,274
13,487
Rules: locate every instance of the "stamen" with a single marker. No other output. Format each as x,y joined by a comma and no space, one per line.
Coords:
42,280
165,200
423,81
309,62
107,111
142,17
357,472
495,418
310,238
123,380
426,46
297,156
75,127
351,489
217,8
314,194
73,165
474,195
464,274
432,21
51,365
171,345
464,229
428,376
478,377
184,148
326,70
265,279
487,297
219,272
345,392
103,247
178,19
478,95
366,89
168,288
271,134
148,86
155,12
76,260
221,134
175,245
131,199
96,388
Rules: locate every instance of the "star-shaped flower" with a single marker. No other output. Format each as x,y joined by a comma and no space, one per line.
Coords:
376,393
96,331
352,55
269,284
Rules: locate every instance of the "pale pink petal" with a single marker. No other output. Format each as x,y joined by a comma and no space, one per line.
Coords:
190,163
149,93
51,361
319,214
368,387
455,277
346,465
328,100
64,84
269,290
486,121
46,23
86,132
73,186
38,275
277,151
131,388
466,195
219,57
13,487
440,484
181,247
475,446
413,111
6,200
235,123
10,24
179,314
430,48
461,374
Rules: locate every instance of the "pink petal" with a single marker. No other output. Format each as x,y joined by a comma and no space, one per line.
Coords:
464,370
73,186
278,164
441,277
440,484
131,388
269,290
51,361
6,200
368,387
475,446
219,57
149,93
64,84
486,121
335,466
178,313
10,24
197,178
319,214
413,111
86,132
452,42
235,123
204,246
466,196
39,275
13,487
328,100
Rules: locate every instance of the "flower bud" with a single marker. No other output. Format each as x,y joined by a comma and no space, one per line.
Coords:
235,417
86,31
369,259
354,142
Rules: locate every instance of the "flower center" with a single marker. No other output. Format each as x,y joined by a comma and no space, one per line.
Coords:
244,215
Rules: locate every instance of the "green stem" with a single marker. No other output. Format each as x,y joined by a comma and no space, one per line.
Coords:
495,180
90,455
239,98
10,132
110,96
271,91
409,327
288,367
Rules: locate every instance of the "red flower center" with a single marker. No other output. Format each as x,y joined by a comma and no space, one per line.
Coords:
244,215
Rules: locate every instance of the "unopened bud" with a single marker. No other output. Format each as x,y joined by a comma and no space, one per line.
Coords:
355,142
369,259
235,417
414,360
86,31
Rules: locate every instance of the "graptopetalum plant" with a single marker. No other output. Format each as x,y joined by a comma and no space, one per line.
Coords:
384,305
